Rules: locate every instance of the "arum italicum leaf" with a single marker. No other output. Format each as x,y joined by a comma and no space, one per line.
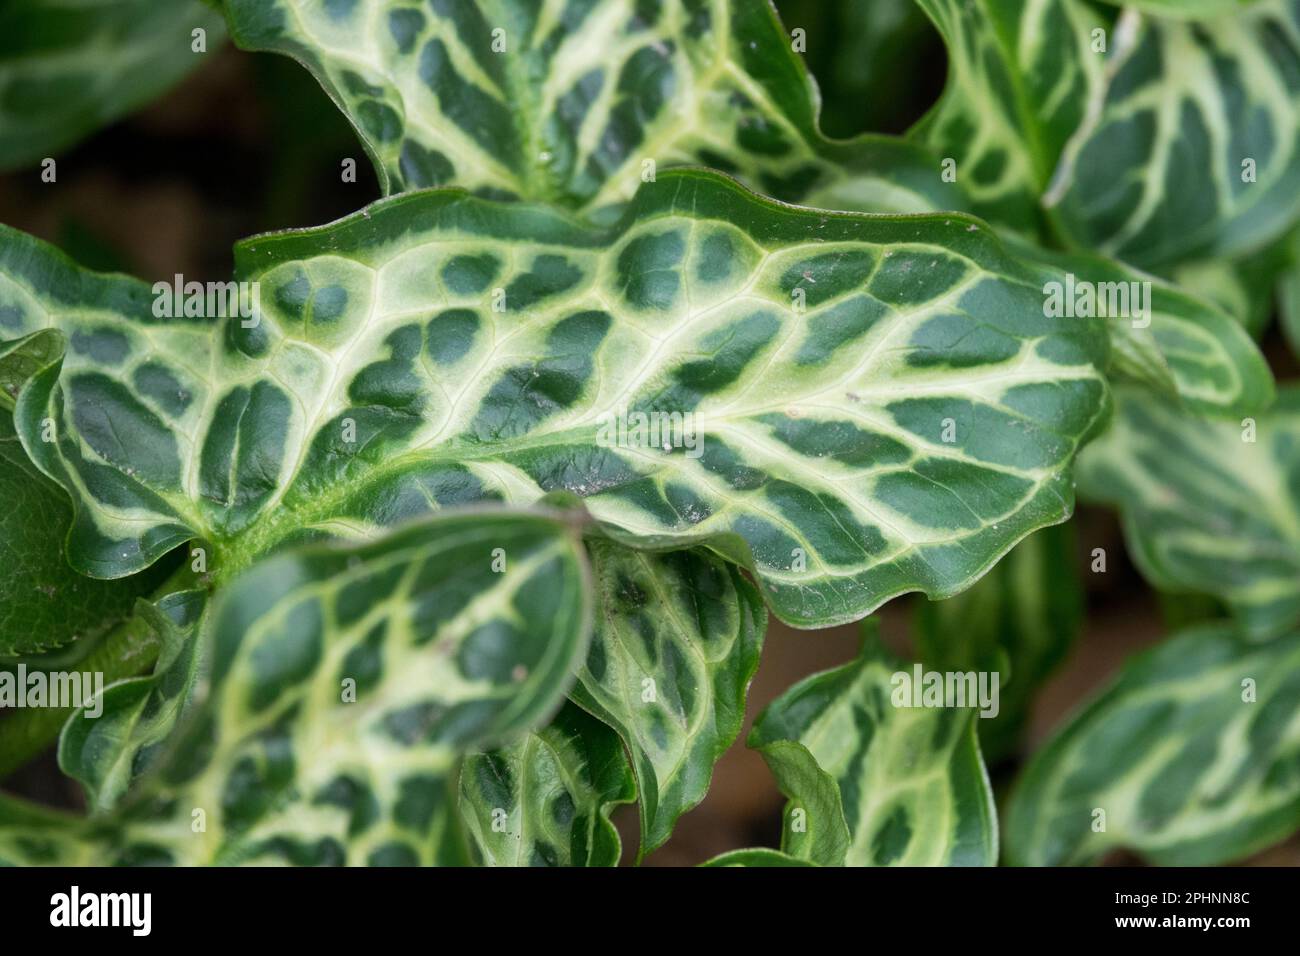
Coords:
1019,80
545,800
814,831
1006,146
1208,507
813,826
879,405
346,684
1191,758
912,784
68,67
677,640
726,92
566,102
1161,337
134,717
1178,141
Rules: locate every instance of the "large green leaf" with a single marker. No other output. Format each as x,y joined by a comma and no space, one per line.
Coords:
1205,509
1139,152
44,603
901,432
1193,756
68,67
912,783
545,800
566,102
347,682
1020,619
135,717
1209,364
676,642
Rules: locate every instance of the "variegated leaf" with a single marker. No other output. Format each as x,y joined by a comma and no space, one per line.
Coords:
676,642
911,780
1155,142
347,682
545,800
878,405
813,827
1172,342
1020,619
814,832
1194,150
112,742
569,102
1020,78
1191,758
1208,507
68,67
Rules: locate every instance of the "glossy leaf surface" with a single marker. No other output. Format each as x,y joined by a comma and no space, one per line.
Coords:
1177,344
911,780
347,682
878,404
1154,142
676,642
568,103
1196,148
545,800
